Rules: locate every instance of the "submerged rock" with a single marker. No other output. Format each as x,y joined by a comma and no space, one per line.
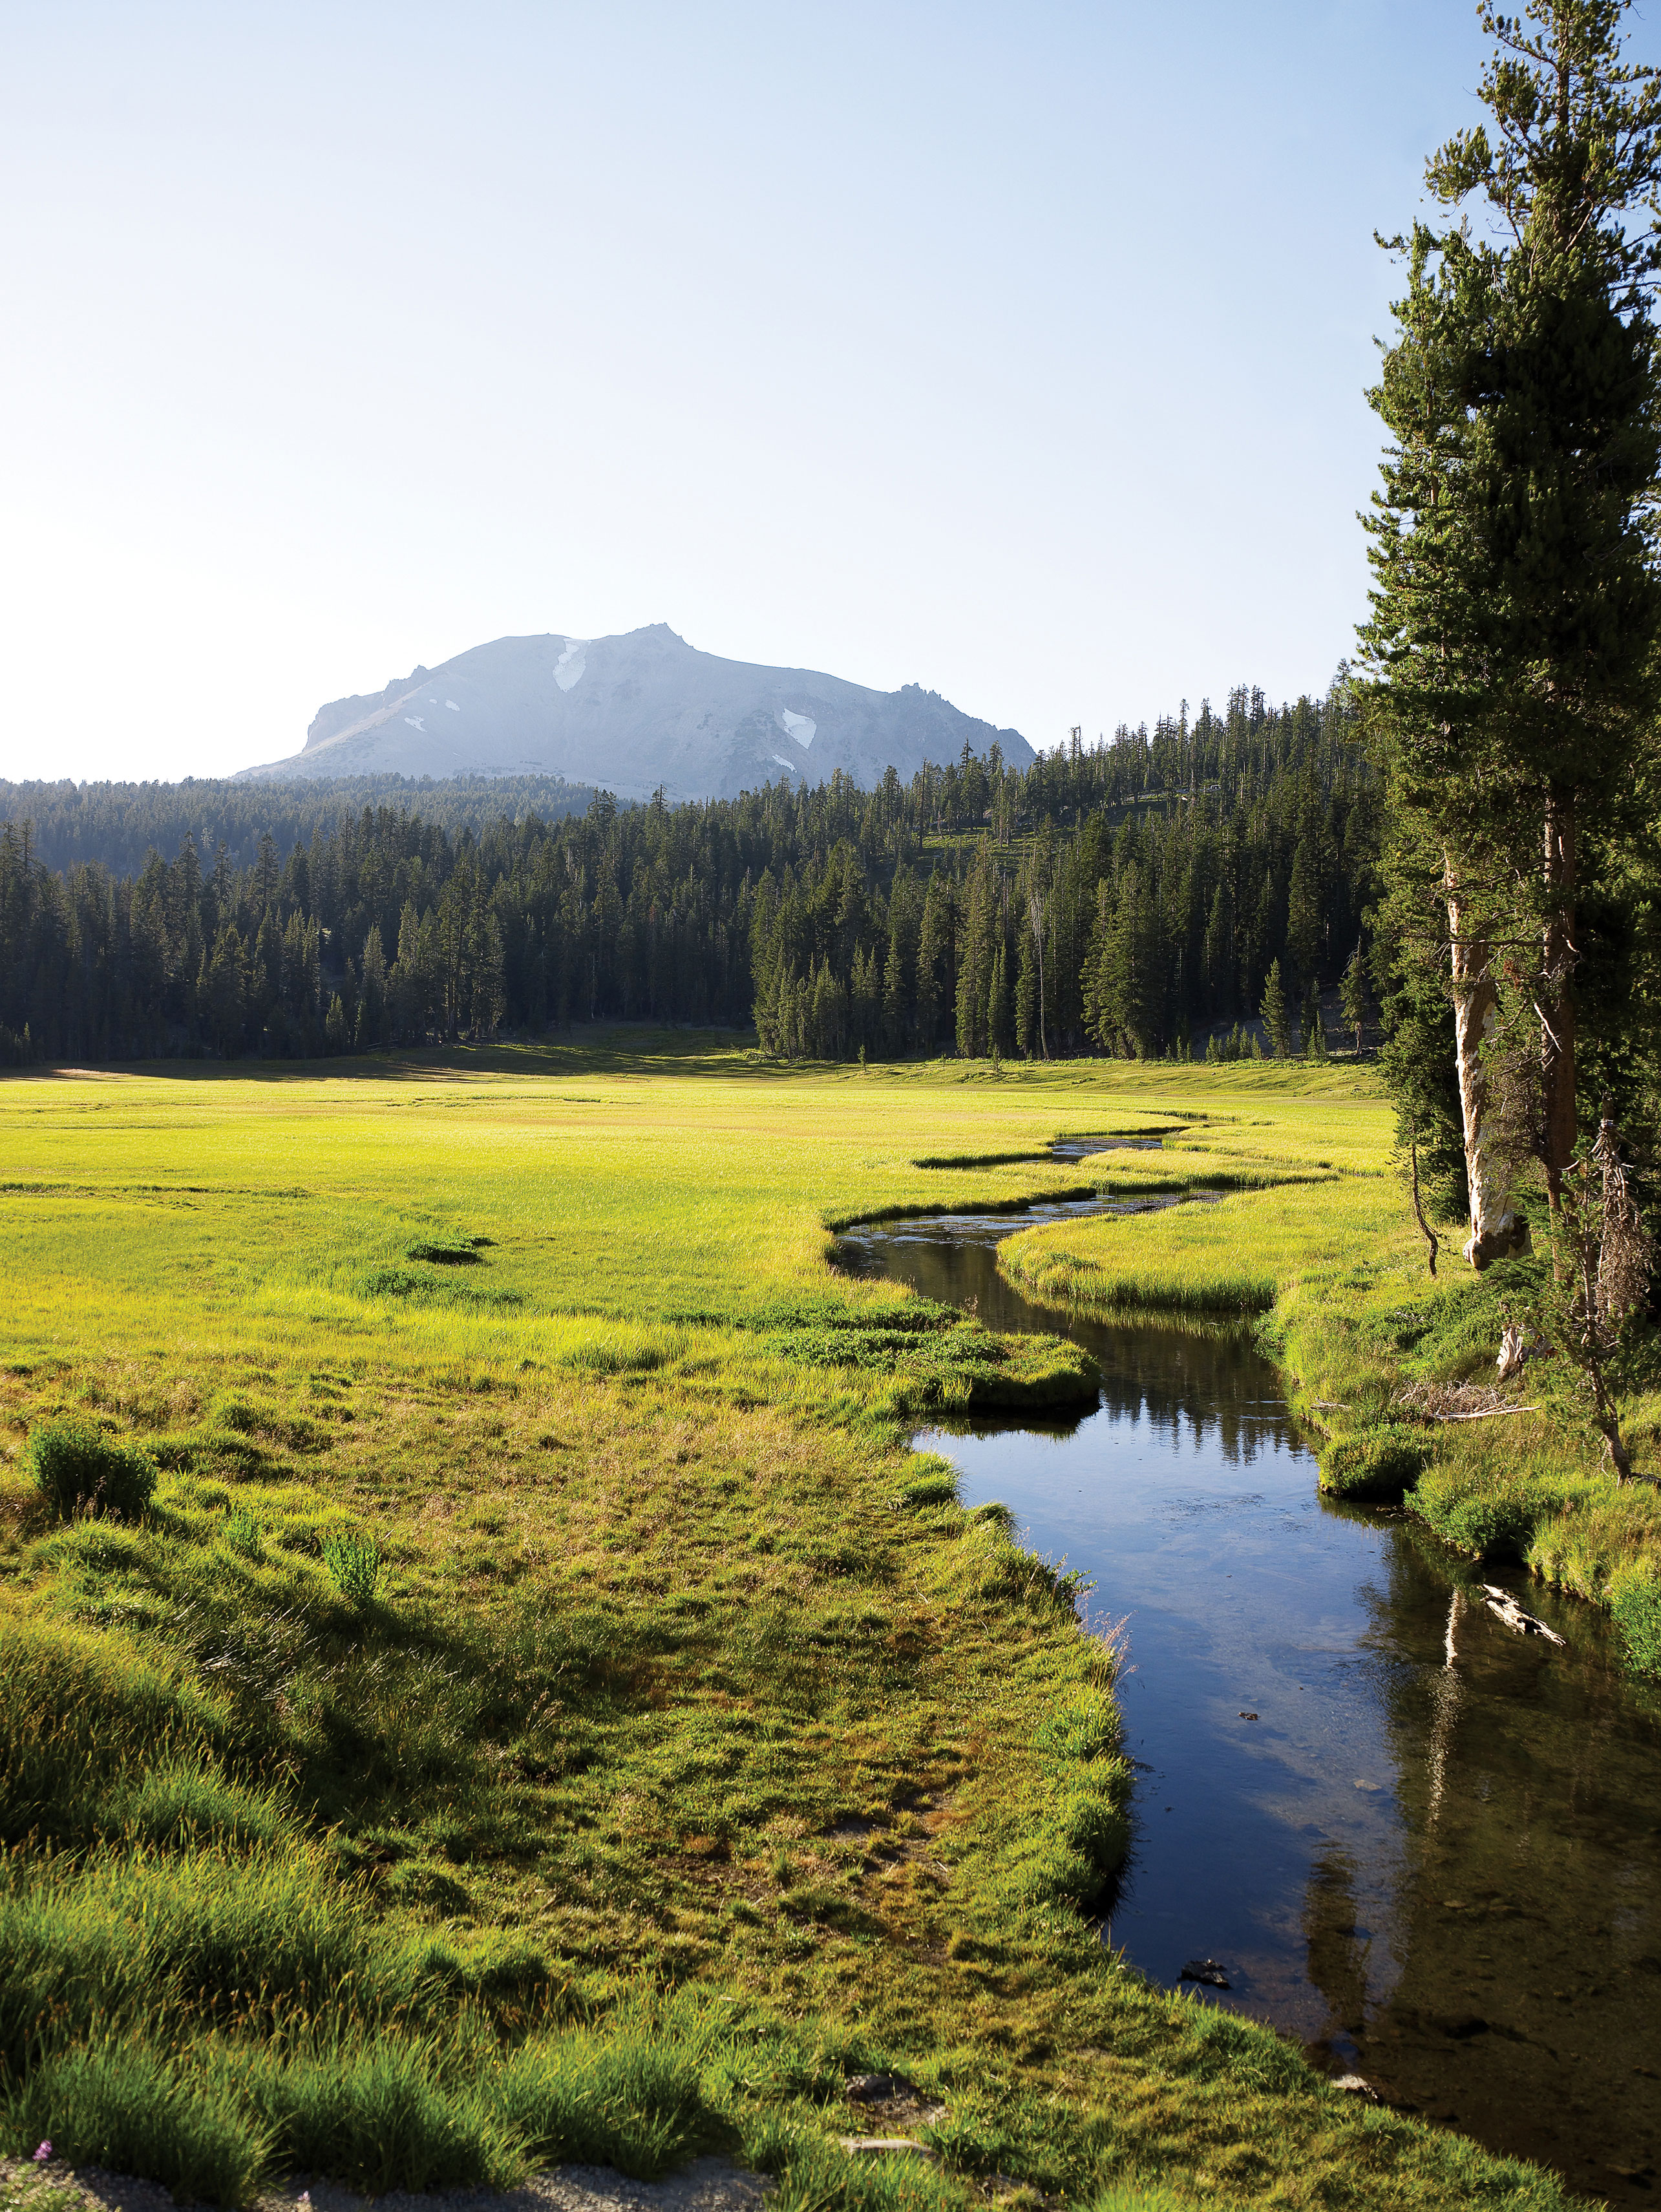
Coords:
1207,1970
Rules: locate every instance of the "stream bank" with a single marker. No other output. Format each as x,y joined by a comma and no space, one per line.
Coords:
1428,1847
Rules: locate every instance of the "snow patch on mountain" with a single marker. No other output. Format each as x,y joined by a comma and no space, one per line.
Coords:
568,668
799,727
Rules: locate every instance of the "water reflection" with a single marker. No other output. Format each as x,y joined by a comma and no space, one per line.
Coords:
1429,1847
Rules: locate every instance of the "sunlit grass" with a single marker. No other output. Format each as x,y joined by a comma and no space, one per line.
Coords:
689,1747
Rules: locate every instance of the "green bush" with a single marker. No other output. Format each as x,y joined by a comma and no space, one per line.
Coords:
1635,1602
82,1470
1382,1463
354,1563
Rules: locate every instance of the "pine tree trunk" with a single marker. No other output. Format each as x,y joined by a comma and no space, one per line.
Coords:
1557,997
1495,1229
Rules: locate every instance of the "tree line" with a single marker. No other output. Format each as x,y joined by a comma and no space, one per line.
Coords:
1134,897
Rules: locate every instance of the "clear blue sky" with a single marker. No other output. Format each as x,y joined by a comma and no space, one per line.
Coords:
1017,351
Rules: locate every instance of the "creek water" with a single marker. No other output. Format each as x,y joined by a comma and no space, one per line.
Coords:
1427,1846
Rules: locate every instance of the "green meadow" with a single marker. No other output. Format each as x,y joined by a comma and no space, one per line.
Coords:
546,1710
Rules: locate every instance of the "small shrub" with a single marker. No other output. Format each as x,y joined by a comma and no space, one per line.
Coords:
353,1563
81,1470
1382,1463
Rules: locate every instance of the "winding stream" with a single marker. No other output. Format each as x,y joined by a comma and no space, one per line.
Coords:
1425,1845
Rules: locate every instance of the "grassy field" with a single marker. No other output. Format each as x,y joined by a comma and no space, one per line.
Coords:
547,1711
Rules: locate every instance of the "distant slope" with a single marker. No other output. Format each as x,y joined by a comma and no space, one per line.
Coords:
631,713
118,825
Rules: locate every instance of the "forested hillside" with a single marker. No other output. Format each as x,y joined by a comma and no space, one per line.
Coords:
1124,898
120,824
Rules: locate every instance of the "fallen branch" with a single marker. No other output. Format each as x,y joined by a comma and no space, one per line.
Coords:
1492,1413
1504,1606
1457,1402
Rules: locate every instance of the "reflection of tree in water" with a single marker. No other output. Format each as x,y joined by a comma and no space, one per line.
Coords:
1528,1915
1190,1382
1337,1948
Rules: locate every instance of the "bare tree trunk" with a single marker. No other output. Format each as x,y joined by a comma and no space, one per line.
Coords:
1430,1237
1495,1229
1557,997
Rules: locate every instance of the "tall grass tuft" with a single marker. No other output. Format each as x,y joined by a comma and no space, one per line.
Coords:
377,2115
1381,1464
82,1470
243,1533
630,2099
354,1564
79,1711
180,1802
113,2103
182,1938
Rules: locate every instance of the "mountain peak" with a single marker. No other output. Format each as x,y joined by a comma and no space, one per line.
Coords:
631,713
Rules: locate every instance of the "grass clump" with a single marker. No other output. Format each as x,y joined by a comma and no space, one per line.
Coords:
243,1532
1376,1466
80,1470
632,2097
115,2104
377,2114
354,1564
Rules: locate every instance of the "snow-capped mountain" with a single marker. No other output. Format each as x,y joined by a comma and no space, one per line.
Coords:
630,714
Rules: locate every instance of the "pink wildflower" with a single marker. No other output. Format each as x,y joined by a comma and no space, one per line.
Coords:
45,2152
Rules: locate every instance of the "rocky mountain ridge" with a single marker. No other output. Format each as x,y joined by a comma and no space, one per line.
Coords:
632,714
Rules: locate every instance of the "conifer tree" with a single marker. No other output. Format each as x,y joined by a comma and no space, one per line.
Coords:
1276,1021
1513,649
